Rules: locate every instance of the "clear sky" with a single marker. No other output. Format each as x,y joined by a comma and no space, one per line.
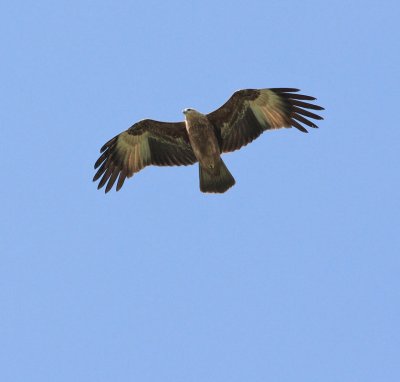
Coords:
292,275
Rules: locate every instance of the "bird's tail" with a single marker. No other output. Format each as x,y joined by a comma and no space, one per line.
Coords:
217,180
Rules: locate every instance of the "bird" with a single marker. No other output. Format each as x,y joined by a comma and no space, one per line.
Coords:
203,138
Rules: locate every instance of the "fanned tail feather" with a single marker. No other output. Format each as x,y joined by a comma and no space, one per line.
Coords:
217,180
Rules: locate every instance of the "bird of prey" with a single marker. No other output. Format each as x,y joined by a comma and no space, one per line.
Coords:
203,137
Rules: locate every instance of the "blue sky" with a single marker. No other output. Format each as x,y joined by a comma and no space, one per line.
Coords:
292,275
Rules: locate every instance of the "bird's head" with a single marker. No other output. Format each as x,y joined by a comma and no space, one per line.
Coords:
188,111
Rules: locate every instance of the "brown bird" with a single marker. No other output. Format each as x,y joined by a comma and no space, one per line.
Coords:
203,137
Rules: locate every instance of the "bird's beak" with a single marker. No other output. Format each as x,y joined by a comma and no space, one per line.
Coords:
184,111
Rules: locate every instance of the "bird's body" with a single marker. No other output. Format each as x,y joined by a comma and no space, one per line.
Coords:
203,137
213,174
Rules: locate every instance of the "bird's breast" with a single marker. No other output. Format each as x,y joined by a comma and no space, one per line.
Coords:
203,140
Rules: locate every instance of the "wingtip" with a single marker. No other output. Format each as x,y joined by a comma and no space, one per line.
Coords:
285,90
108,144
110,185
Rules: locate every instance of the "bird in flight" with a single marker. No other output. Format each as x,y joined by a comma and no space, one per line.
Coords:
203,137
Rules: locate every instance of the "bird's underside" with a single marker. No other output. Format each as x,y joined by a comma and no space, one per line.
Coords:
204,137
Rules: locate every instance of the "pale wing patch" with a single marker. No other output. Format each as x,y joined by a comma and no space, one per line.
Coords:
259,113
135,150
269,110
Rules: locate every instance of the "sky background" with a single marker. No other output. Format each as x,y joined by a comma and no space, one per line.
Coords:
292,275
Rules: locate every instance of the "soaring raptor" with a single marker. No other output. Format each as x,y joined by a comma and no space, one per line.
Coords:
203,137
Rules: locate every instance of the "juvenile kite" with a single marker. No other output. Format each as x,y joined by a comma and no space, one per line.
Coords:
203,137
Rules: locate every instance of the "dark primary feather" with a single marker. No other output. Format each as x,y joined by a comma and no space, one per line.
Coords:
248,113
146,143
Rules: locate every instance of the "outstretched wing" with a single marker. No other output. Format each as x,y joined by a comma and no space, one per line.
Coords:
250,112
146,143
